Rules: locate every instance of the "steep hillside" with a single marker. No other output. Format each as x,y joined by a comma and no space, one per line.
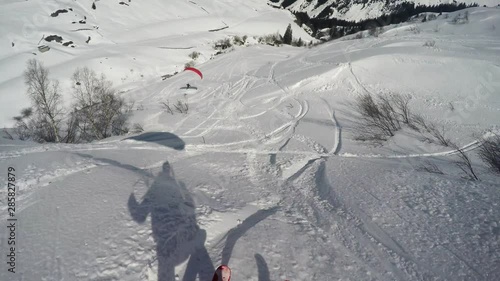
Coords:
128,41
359,9
269,170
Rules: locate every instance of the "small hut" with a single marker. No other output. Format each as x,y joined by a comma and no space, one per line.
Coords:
43,48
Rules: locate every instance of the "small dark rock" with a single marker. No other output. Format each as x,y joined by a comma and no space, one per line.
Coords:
56,13
56,38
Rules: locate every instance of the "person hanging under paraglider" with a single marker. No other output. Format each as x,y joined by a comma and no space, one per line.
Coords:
192,69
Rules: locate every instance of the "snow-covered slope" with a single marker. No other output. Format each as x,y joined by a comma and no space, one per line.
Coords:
360,9
265,173
135,42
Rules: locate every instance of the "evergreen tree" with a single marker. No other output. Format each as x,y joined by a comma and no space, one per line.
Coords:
287,37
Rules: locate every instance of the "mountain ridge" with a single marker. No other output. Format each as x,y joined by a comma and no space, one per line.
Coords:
358,10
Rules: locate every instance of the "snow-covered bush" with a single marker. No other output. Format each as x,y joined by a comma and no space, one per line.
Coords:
378,116
429,167
298,42
24,127
383,115
461,19
429,43
237,40
401,104
415,29
439,133
464,163
375,31
137,128
419,123
181,107
271,39
7,135
223,44
194,55
489,152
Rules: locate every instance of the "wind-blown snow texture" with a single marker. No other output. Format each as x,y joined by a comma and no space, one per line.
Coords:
264,172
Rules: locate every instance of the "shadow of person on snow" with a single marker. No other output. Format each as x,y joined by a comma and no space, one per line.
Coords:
161,138
262,268
174,226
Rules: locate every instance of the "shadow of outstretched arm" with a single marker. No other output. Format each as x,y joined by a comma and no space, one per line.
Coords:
138,212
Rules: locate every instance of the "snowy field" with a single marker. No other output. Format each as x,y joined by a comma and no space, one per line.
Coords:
266,172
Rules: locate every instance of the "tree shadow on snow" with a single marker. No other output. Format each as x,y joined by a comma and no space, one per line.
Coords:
174,226
161,138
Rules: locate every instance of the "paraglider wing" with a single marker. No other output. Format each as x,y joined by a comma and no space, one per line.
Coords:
195,71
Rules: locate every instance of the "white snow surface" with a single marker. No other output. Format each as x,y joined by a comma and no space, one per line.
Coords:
265,172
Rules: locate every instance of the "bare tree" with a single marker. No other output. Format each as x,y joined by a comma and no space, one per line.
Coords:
166,106
419,121
72,134
7,134
388,110
181,107
137,128
464,163
439,135
46,99
101,113
379,115
489,152
429,167
21,128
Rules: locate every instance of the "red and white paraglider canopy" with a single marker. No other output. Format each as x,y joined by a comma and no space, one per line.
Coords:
195,71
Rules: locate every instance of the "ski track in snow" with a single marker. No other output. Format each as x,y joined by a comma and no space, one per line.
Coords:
212,148
299,182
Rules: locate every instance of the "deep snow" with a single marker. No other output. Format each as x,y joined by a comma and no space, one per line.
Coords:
265,173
